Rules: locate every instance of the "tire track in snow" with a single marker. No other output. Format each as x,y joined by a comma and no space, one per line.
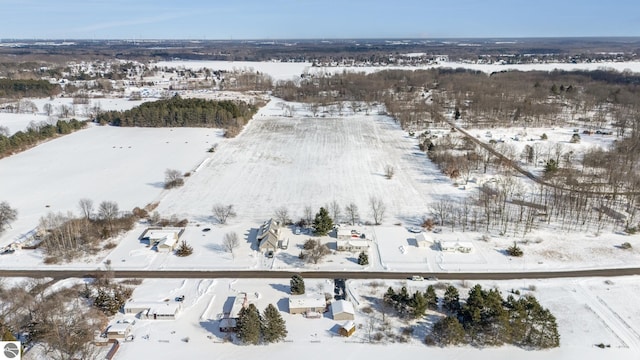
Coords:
628,337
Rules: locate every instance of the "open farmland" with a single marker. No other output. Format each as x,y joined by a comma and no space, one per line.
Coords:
301,161
125,165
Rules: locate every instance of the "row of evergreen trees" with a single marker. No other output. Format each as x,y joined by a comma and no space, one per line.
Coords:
14,89
179,112
486,319
23,140
254,328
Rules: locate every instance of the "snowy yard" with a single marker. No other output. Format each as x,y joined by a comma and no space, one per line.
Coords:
583,321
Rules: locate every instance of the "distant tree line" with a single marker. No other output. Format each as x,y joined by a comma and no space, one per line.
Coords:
27,88
179,112
34,134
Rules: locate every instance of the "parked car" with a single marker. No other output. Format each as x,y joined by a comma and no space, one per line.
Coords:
417,278
270,254
297,231
180,298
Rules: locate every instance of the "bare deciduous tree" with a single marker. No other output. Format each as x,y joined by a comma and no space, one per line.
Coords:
223,212
389,171
231,242
334,209
282,215
108,211
86,207
352,213
172,178
378,209
7,215
308,215
316,251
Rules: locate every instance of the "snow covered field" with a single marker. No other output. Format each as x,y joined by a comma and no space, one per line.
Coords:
293,70
125,165
20,122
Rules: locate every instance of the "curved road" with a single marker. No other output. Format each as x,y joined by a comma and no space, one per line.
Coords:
267,274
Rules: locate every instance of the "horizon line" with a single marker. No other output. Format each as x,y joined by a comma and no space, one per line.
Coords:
2,39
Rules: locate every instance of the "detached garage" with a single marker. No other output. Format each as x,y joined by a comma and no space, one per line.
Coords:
342,310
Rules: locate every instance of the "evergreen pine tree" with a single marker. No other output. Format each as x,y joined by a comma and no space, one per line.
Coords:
322,223
363,259
184,249
418,305
431,297
297,285
451,300
249,325
448,331
274,328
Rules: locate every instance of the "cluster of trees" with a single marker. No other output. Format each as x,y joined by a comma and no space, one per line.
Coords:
414,305
255,328
35,133
67,236
179,112
313,251
10,88
486,319
105,294
60,321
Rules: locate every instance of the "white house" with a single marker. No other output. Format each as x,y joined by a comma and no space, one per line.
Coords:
118,331
423,240
453,246
153,309
164,239
300,304
163,311
268,235
352,245
345,232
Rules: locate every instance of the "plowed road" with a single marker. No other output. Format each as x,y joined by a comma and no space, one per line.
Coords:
206,274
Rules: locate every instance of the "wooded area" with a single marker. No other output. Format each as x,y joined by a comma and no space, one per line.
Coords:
179,112
14,89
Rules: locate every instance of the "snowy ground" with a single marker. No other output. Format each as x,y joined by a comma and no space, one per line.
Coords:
278,161
125,165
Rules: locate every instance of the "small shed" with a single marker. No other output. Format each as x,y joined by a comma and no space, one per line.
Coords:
347,329
423,240
118,331
342,310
